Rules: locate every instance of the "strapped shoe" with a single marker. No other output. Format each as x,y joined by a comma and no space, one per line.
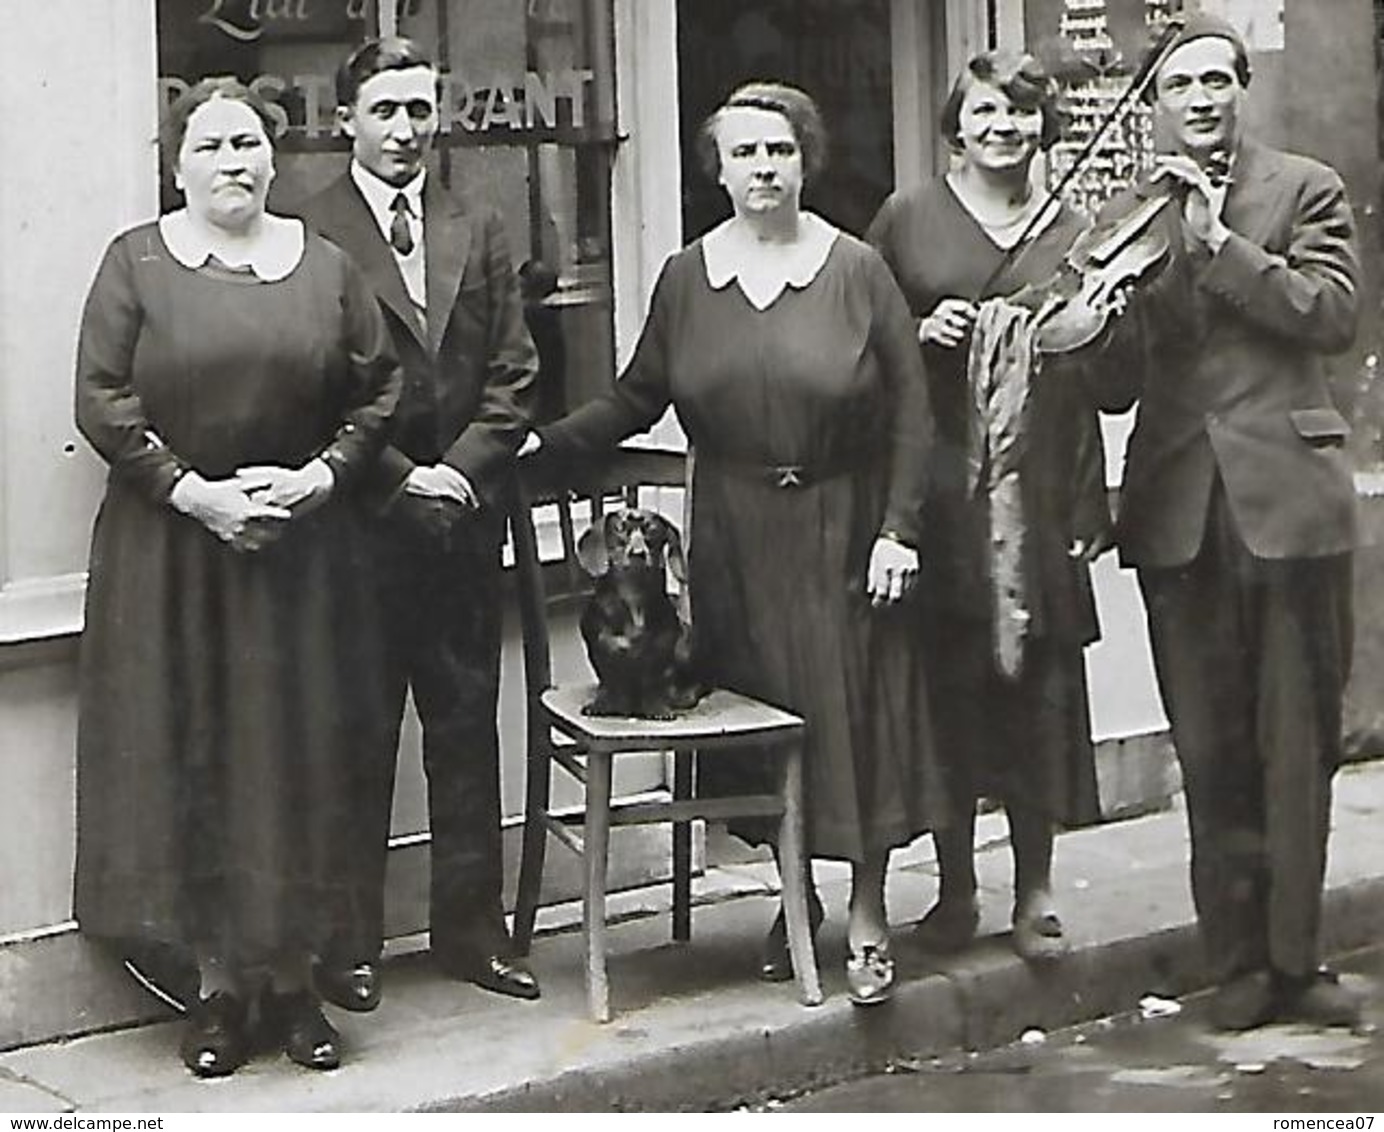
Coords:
870,974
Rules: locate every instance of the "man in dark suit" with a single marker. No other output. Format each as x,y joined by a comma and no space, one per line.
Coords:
1238,511
447,288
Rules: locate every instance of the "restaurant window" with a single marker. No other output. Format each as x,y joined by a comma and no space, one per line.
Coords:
528,126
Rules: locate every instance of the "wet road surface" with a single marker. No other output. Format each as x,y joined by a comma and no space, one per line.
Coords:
1166,1062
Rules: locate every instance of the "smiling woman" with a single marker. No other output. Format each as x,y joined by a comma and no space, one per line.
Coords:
1015,732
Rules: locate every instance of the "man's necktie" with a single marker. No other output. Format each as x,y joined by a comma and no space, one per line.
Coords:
400,237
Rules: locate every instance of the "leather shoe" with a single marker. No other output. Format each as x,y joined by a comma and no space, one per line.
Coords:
356,988
213,1043
296,1021
1318,999
1244,1003
497,973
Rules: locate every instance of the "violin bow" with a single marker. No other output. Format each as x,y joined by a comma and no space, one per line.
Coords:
1137,85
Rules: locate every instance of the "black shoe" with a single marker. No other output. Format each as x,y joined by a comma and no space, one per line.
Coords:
213,1042
297,1023
357,989
498,973
1318,999
775,961
1243,1003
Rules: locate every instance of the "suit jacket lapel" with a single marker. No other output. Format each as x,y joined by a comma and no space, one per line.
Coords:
365,243
1251,202
447,238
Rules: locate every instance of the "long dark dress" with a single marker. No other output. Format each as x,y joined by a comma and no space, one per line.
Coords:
224,698
1027,740
828,378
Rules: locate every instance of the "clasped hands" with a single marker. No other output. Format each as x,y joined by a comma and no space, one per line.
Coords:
251,509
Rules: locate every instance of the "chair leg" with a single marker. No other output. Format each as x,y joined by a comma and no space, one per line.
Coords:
593,907
682,850
793,867
537,792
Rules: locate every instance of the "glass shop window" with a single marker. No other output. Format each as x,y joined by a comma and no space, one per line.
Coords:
1093,48
528,126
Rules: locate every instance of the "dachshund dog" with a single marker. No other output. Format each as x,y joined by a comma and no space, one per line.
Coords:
639,643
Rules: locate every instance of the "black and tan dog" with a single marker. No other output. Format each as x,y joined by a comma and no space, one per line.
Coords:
639,641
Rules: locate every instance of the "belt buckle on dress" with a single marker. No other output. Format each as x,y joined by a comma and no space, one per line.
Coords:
788,475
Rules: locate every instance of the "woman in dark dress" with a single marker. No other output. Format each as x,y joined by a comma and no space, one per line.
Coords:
233,372
788,353
1024,741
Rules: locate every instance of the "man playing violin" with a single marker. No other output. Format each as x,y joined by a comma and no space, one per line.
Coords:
1238,512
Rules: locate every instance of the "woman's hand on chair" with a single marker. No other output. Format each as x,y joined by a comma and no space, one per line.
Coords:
893,569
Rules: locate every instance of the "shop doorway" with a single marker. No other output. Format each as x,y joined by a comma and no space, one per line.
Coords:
836,50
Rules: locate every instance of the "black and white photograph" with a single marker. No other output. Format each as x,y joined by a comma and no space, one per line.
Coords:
727,557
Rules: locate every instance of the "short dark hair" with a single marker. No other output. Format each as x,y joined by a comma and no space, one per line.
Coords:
389,53
1019,77
779,98
174,127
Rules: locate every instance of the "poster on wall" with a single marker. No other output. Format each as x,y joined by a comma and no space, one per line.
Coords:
1259,21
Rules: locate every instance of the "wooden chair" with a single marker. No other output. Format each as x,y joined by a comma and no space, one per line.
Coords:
560,736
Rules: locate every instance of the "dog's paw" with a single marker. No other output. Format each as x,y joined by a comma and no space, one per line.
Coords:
687,697
604,704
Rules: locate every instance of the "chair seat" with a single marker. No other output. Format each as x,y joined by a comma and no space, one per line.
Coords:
721,717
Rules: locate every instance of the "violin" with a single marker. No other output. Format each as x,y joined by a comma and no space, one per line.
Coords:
1072,307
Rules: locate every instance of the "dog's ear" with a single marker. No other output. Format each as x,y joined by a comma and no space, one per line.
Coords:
593,551
673,551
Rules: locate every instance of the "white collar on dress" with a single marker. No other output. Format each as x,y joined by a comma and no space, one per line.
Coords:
273,257
722,256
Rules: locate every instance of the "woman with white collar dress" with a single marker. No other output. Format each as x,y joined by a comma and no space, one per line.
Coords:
787,351
234,372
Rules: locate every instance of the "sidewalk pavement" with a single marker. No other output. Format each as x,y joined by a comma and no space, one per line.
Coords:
693,1029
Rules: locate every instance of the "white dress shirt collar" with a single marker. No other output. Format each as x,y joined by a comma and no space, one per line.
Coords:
379,198
379,195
